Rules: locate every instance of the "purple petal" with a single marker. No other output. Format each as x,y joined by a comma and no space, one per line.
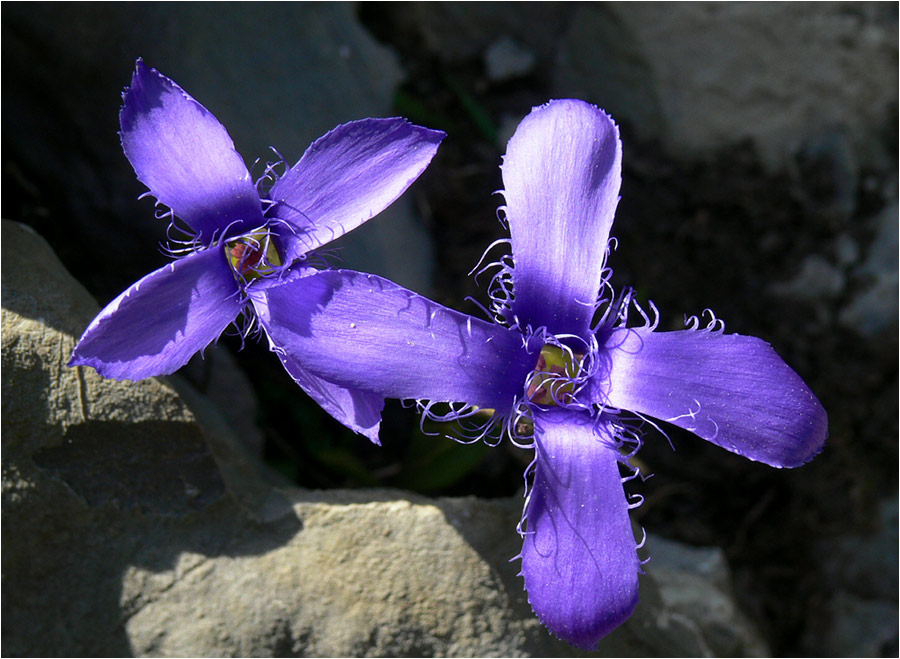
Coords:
157,325
348,176
579,558
364,332
561,174
732,390
184,155
358,410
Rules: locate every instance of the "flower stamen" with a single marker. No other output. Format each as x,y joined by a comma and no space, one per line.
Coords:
253,255
553,380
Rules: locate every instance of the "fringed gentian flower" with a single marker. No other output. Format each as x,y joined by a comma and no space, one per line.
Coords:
559,370
239,237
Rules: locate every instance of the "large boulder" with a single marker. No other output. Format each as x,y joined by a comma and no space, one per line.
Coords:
701,76
134,524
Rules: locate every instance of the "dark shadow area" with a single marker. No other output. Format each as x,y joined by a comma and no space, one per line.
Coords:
156,467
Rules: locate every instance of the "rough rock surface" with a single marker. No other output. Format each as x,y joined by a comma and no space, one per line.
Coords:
874,308
695,582
861,614
699,76
134,525
456,31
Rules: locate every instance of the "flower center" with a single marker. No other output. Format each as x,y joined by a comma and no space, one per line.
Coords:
252,255
552,381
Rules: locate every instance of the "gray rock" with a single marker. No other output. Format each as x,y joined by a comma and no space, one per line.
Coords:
817,280
846,250
828,171
874,308
135,525
860,628
700,76
456,31
506,59
695,582
866,565
709,563
860,617
881,258
275,76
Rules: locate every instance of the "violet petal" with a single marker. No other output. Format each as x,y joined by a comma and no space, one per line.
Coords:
579,557
184,155
729,389
348,176
364,332
359,411
561,176
162,320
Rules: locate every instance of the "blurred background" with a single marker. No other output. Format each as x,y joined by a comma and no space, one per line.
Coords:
760,157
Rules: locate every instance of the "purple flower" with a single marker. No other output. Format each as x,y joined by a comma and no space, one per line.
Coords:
240,238
560,370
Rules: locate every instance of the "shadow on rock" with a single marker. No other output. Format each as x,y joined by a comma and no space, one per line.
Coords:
110,490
